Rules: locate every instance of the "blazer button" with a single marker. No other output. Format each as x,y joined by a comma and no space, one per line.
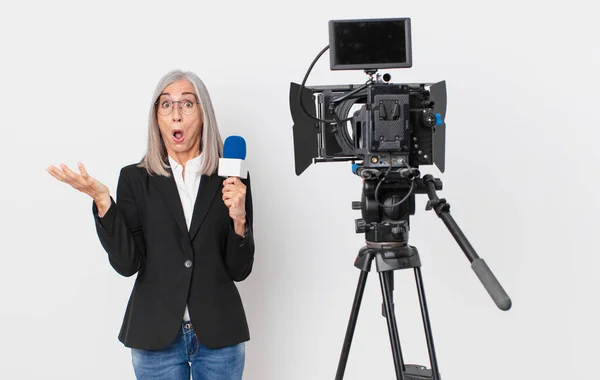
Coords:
188,263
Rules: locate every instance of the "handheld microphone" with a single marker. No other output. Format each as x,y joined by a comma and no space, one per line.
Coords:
234,153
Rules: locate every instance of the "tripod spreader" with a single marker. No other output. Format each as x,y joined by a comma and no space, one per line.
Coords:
483,272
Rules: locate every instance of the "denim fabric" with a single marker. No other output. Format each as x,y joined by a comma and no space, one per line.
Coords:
187,356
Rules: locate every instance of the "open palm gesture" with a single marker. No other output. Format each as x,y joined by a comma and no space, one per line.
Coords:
82,182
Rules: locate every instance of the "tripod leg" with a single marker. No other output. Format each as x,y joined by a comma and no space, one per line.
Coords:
360,289
389,277
384,279
427,324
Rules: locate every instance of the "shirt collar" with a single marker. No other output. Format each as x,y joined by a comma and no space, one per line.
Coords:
193,164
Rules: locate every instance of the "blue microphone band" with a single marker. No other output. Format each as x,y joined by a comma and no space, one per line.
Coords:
234,147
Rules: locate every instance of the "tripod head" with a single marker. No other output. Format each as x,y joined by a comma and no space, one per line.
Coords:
388,201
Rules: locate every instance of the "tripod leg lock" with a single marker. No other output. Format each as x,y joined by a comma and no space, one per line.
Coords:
384,314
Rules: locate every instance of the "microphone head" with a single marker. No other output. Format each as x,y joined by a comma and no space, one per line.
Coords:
234,147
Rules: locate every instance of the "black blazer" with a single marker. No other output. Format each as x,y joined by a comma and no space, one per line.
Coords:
145,232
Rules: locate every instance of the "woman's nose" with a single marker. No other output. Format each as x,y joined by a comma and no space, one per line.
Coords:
176,114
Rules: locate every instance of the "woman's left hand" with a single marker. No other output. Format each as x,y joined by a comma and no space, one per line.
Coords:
234,196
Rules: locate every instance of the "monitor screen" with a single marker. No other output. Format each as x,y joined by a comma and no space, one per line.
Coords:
370,44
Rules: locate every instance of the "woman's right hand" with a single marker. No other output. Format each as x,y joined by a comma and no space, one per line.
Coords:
84,183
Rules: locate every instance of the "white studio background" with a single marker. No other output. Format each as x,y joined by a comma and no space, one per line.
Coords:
521,178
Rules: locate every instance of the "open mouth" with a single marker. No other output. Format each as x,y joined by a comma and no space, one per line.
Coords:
178,135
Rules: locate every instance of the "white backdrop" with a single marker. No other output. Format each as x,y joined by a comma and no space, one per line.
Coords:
521,179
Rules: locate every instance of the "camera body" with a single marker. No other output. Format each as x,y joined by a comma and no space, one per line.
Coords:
396,126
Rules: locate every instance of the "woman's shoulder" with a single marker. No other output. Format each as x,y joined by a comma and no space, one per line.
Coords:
134,169
139,170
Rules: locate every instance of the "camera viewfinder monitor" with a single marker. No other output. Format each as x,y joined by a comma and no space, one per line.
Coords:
369,44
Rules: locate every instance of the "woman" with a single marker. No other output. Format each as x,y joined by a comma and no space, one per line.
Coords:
186,232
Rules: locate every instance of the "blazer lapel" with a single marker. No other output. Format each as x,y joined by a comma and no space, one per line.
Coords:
208,189
170,194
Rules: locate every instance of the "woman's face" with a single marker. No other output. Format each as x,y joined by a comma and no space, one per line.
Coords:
180,118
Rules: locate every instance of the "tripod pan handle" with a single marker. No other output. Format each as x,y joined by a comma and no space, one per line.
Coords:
491,284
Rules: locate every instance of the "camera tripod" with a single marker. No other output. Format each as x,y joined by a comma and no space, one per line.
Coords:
387,244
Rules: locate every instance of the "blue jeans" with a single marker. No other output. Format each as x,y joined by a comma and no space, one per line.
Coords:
186,355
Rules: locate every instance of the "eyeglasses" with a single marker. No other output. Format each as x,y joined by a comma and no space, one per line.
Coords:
187,106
